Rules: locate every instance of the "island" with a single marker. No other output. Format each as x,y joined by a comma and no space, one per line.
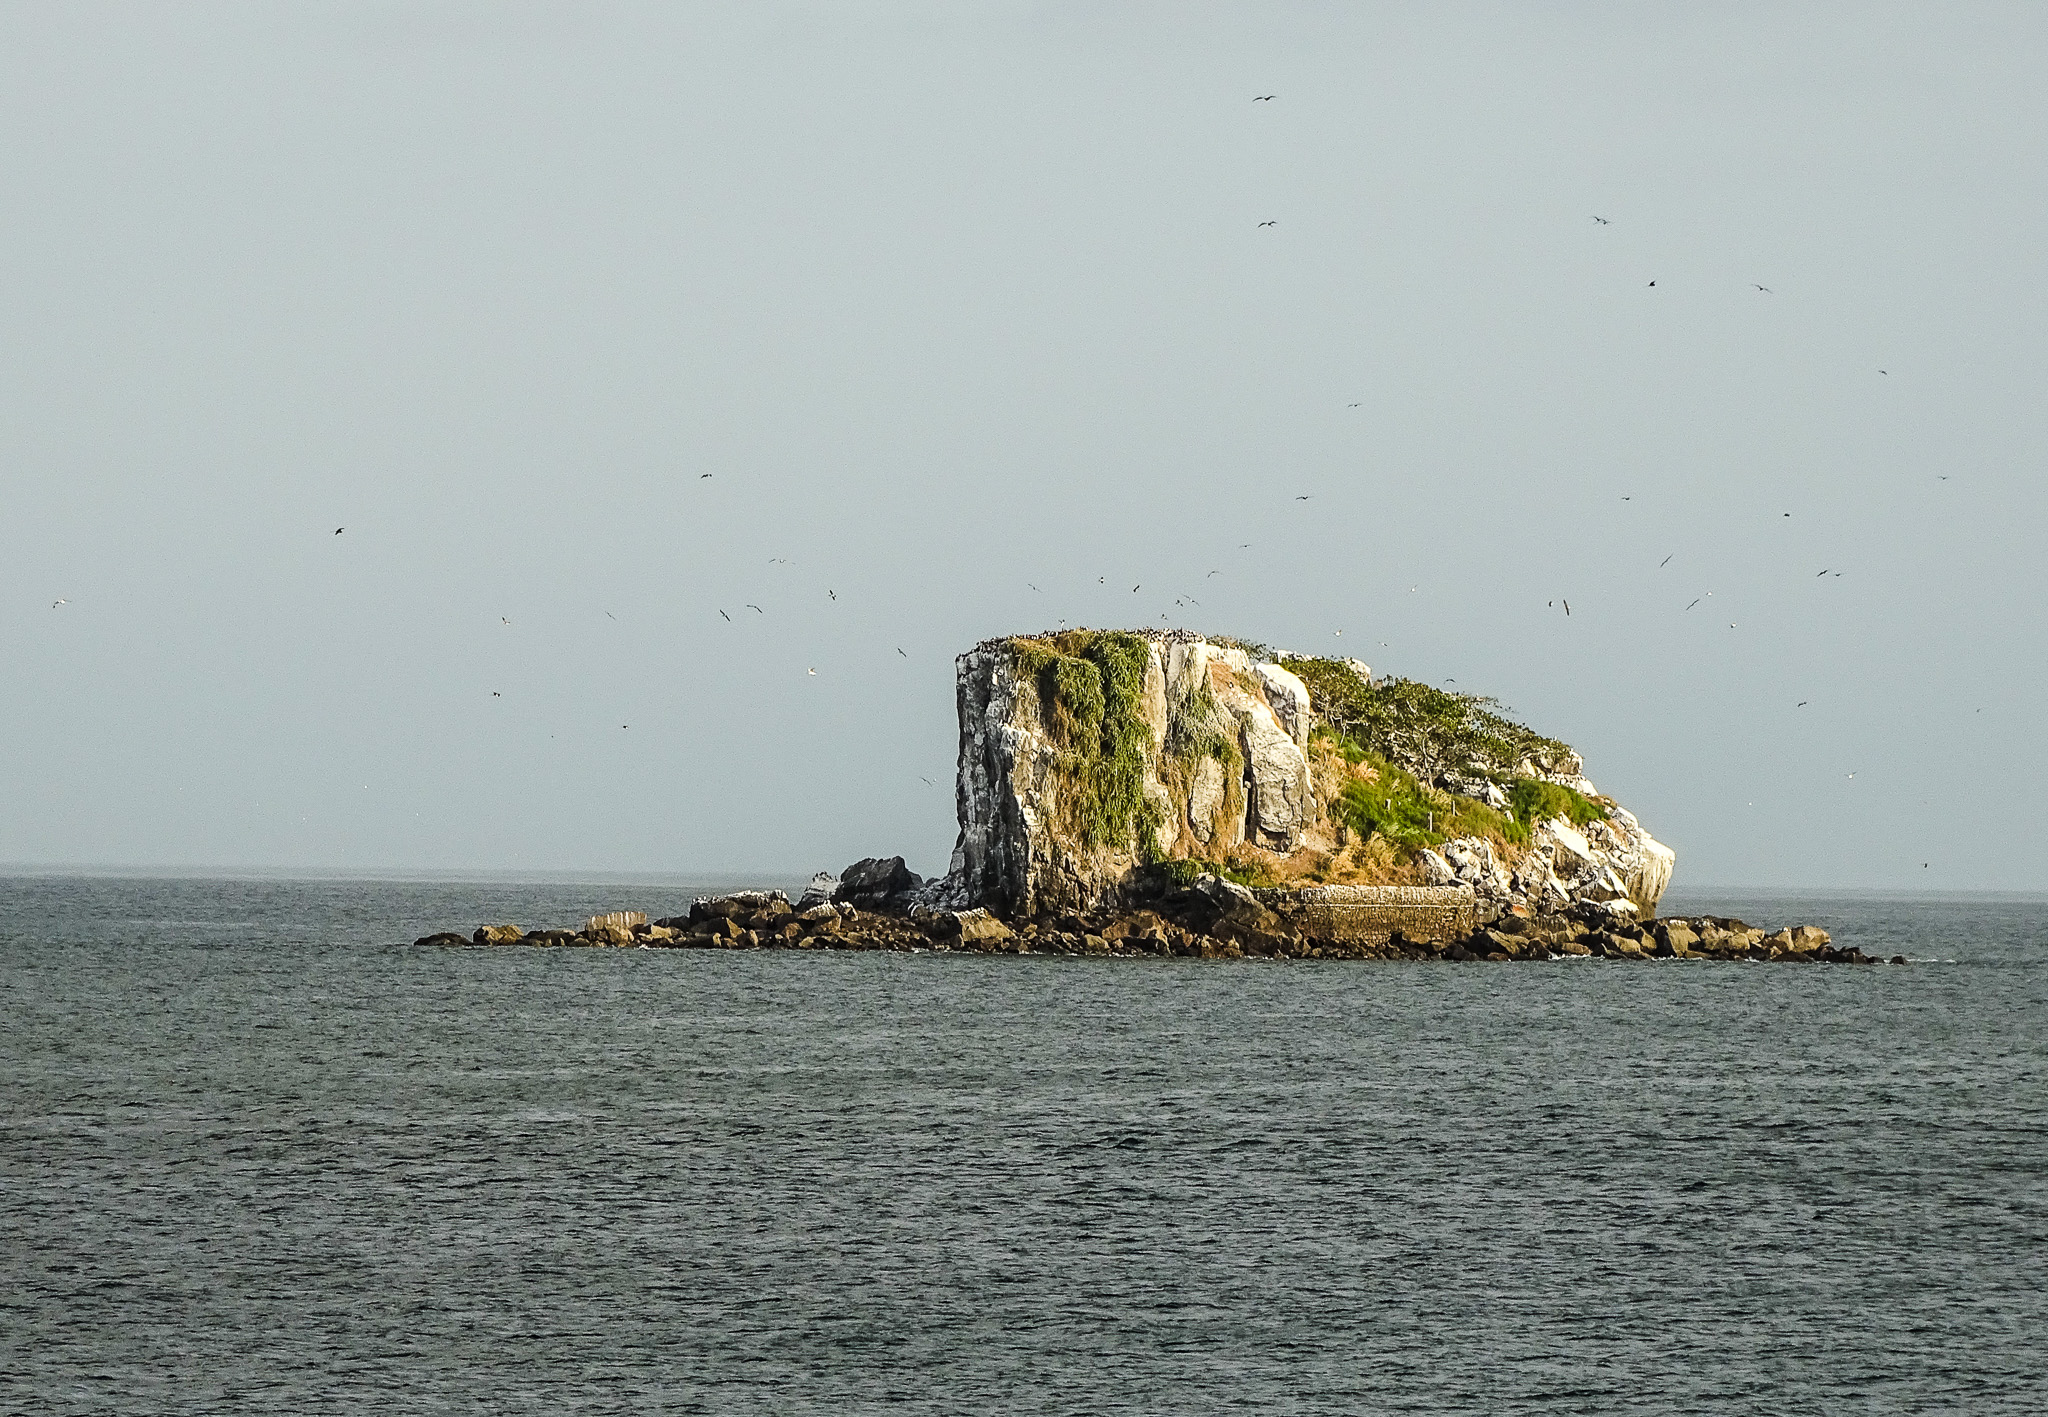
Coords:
1160,792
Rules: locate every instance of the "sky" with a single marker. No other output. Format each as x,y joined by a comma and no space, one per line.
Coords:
914,324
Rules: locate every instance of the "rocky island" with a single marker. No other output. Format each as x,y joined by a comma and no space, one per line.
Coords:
1159,792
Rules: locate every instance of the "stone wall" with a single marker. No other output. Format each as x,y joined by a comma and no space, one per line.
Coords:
1374,914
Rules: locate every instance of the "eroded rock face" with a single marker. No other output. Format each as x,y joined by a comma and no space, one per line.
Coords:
1224,740
1020,849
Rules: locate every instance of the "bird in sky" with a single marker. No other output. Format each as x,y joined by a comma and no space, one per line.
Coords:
1269,223
1212,573
1696,602
496,695
1884,371
1625,499
1034,587
1764,288
1603,221
609,616
1852,774
1653,282
55,603
625,725
702,475
1666,561
926,781
1788,514
1567,609
812,672
339,530
755,608
1354,405
503,621
1265,98
1135,589
833,593
1802,703
725,617
899,650
1303,498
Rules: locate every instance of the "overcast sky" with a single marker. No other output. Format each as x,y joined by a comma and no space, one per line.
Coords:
588,321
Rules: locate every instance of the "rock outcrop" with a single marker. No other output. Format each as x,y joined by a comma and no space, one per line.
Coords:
1087,758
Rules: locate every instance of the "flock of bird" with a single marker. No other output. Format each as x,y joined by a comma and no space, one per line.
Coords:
1186,600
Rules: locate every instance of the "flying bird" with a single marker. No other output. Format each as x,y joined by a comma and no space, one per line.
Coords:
339,530
1603,221
1269,223
725,617
1696,602
702,475
55,603
1653,282
609,616
503,621
812,672
1666,561
1354,405
1567,608
1034,587
496,695
899,650
755,608
1802,703
1265,98
1764,288
1304,498
1135,589
833,593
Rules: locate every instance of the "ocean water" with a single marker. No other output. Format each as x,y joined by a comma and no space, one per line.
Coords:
258,1154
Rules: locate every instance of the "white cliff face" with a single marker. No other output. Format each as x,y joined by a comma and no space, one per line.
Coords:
1016,851
1224,745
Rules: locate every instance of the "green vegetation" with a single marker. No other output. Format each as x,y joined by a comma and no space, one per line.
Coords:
1092,685
1183,872
1427,731
1409,813
1533,800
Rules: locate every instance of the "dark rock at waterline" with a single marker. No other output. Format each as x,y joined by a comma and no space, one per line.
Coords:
446,938
875,880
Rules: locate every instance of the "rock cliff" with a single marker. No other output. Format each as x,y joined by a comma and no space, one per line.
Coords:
1093,762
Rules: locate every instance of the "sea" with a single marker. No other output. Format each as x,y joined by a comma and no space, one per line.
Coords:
260,1154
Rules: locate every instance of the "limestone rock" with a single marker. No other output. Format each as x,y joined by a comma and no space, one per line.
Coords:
498,935
819,891
1288,697
622,919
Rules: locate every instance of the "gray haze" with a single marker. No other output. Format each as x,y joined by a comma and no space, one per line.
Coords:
954,300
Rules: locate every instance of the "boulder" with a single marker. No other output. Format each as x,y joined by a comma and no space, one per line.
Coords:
625,920
973,927
874,880
819,892
498,935
445,938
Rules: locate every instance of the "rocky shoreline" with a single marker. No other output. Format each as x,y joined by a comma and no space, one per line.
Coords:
1209,919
